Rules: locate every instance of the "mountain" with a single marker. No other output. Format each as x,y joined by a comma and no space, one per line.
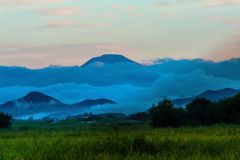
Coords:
216,95
126,83
30,100
38,97
33,102
213,95
117,70
93,102
108,59
37,104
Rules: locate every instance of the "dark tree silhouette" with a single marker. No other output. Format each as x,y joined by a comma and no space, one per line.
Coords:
198,112
229,110
5,120
201,111
140,116
165,115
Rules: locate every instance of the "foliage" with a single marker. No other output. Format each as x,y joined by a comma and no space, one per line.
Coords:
199,112
229,110
165,115
5,120
141,116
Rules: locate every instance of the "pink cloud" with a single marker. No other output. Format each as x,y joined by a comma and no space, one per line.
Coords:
207,3
232,21
230,49
68,23
138,15
124,7
64,11
105,16
226,20
23,3
169,14
116,6
74,11
61,23
219,3
163,3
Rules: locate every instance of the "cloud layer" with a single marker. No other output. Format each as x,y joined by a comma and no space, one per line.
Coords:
130,98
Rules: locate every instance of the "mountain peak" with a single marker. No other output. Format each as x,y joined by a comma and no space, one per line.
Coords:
108,59
38,97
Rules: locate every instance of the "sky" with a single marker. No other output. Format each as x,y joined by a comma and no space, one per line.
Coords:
39,33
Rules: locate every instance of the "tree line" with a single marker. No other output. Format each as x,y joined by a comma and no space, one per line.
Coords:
199,112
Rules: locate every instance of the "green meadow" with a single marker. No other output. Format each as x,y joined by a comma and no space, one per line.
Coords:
68,140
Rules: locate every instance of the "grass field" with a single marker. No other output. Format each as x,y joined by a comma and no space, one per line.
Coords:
68,141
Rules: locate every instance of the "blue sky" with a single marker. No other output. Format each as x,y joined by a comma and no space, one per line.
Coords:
37,33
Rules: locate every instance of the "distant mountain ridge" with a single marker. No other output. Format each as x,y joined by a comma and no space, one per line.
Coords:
93,102
37,102
213,95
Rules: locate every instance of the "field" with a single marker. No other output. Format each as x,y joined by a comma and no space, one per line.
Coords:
43,140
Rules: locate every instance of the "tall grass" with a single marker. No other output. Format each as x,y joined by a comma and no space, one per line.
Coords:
132,142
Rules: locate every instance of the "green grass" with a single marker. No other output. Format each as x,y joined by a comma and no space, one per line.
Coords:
66,141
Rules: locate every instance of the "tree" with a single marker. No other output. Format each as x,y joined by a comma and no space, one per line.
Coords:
201,111
5,120
140,116
229,110
165,115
